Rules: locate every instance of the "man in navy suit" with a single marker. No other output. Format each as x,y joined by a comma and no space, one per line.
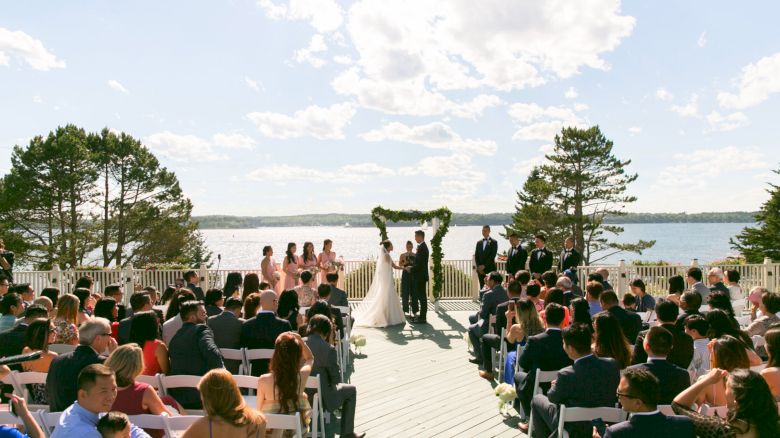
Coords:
420,279
516,256
630,322
673,379
637,393
570,258
262,330
590,382
542,352
541,259
681,353
485,255
490,301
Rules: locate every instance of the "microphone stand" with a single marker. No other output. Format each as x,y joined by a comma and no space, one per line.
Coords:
219,261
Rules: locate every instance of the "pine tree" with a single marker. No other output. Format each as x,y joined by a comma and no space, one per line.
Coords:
756,243
535,213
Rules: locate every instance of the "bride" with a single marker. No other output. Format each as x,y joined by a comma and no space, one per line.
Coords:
381,307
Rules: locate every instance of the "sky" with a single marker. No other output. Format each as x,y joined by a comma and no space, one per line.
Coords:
275,107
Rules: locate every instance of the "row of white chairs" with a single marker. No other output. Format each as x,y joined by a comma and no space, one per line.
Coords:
342,343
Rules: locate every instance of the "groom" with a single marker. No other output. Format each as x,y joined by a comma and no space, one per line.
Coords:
419,271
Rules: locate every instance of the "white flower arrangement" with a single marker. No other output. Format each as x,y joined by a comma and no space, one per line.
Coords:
506,393
467,340
277,276
358,341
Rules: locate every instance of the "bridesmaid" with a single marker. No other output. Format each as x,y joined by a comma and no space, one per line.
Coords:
308,260
406,259
325,260
268,269
290,267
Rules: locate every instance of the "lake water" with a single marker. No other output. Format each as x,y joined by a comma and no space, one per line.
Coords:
242,248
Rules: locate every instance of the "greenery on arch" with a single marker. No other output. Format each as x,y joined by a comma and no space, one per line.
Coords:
380,216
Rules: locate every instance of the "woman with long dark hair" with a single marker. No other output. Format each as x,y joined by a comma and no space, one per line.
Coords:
281,391
268,269
145,331
772,371
233,283
289,309
251,285
106,308
609,339
580,311
37,337
290,267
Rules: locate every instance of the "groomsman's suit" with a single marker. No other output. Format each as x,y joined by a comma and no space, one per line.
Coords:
515,261
569,259
485,254
541,261
419,281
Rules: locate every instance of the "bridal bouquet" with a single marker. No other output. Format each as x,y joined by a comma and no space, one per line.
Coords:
506,393
277,276
358,341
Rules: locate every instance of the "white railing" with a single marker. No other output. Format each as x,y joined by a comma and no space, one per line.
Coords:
460,281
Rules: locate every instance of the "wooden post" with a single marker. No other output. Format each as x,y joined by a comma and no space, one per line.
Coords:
622,283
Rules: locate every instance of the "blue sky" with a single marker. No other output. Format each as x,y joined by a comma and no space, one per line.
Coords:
313,106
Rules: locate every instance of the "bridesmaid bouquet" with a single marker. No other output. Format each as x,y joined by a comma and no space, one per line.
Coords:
277,276
358,341
506,393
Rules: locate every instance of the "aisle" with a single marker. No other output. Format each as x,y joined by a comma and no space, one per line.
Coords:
416,381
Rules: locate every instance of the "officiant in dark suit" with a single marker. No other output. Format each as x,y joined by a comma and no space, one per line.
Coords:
541,258
419,272
485,255
516,256
570,257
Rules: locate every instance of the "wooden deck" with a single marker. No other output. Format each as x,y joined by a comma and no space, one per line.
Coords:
416,381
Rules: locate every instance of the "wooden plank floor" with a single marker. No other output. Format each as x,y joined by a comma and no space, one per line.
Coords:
416,381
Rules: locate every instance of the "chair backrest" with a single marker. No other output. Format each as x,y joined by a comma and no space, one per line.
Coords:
168,382
345,310
9,418
232,353
48,420
568,415
303,310
61,348
714,411
758,368
249,382
259,353
285,422
29,377
543,377
179,422
758,341
313,383
153,381
666,409
149,421
743,321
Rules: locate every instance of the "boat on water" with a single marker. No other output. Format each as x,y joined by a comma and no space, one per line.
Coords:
346,225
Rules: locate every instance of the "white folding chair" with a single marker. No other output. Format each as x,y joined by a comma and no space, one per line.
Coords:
743,321
666,409
570,415
20,382
758,341
317,409
758,368
175,425
250,383
235,354
9,418
153,381
48,421
714,411
501,354
256,354
171,382
541,377
285,422
61,348
149,421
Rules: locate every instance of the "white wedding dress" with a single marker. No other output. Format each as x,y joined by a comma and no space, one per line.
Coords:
381,306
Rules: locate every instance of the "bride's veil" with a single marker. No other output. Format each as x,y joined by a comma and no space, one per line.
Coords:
383,269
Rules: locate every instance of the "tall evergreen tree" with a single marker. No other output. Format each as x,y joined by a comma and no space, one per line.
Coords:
536,212
755,243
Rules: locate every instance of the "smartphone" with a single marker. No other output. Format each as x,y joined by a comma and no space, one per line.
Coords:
11,408
600,426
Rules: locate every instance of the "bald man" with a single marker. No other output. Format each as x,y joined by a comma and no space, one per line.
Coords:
262,330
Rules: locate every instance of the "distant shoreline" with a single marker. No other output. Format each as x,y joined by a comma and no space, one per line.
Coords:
458,219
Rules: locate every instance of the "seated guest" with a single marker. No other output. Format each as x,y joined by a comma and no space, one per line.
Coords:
715,278
493,340
52,293
145,332
45,302
325,294
134,398
106,308
721,324
11,307
555,295
115,291
66,322
12,341
727,354
338,297
542,352
281,391
580,311
693,278
752,410
690,302
769,306
532,292
307,295
719,300
490,300
289,309
593,291
609,341
673,379
37,338
173,320
564,283
676,288
629,302
139,302
322,307
96,393
697,327
522,321
682,347
252,305
114,425
630,322
227,330
19,407
262,330
251,286
25,291
86,303
233,283
732,281
604,272
638,393
193,284
772,371
94,339
590,382
193,352
335,395
226,412
644,301
214,302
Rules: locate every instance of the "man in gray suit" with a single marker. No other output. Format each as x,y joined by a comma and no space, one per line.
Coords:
335,395
695,284
227,330
337,296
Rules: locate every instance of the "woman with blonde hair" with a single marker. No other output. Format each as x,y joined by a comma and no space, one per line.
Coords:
134,398
67,319
226,413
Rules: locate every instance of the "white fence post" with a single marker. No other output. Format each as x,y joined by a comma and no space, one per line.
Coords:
129,284
766,273
474,280
203,276
622,282
695,263
55,278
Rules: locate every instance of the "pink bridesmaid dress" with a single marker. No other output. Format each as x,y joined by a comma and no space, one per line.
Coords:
269,273
325,258
289,274
309,264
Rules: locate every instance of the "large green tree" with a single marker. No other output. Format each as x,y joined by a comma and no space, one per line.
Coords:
756,243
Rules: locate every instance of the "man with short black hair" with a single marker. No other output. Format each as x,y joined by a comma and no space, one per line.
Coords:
629,302
697,326
11,307
25,291
5,284
593,291
337,297
673,379
485,254
690,302
192,280
682,346
589,382
323,292
693,279
495,296
515,257
12,341
139,302
541,259
637,393
227,330
630,322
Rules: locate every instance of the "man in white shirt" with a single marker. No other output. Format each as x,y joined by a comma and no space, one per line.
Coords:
696,326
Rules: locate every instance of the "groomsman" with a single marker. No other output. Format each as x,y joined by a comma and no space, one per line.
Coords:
516,256
570,257
485,255
541,258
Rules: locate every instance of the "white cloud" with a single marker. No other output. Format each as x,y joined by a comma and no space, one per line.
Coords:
475,107
755,84
571,93
727,122
662,94
699,168
342,59
349,174
322,15
115,85
182,148
314,121
538,123
316,45
234,141
251,83
435,135
37,98
635,130
460,179
702,41
24,47
690,109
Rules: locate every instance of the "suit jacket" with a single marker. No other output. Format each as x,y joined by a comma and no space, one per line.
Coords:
338,297
680,324
515,260
192,352
12,341
645,303
541,261
542,352
261,332
720,287
227,334
652,426
486,256
703,290
490,301
630,322
197,291
671,378
571,261
123,331
62,379
420,267
326,366
682,349
590,382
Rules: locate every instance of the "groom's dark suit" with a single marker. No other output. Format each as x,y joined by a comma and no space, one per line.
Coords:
485,255
419,281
